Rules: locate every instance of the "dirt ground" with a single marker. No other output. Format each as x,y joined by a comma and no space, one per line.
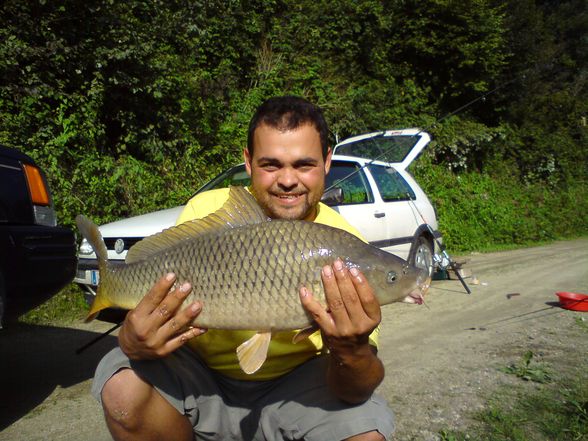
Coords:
441,360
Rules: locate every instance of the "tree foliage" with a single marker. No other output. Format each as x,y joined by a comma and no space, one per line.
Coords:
130,106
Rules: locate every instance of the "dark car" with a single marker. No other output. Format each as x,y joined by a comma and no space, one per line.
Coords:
37,257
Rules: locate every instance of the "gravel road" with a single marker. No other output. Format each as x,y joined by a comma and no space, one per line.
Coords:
441,360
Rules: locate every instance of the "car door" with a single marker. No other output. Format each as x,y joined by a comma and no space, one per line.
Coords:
394,202
359,206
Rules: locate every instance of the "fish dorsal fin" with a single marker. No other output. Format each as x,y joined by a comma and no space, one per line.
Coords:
240,209
253,352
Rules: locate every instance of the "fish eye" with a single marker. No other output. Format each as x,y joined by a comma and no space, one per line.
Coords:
391,277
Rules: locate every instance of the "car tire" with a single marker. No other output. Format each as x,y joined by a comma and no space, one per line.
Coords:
423,255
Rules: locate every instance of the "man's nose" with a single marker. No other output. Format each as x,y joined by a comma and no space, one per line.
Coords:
287,179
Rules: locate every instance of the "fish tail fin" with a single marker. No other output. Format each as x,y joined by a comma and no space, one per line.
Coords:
99,303
92,234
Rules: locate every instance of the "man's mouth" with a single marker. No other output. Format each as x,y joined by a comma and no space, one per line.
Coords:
288,196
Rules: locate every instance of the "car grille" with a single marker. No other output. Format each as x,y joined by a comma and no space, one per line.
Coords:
129,241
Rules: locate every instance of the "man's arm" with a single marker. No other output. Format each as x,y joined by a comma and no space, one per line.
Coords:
352,314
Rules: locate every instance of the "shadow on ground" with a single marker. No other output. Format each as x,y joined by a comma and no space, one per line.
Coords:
34,360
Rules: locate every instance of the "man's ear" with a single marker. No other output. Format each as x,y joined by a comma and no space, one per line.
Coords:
328,160
248,159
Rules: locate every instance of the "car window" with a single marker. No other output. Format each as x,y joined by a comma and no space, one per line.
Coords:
236,176
391,185
383,148
352,180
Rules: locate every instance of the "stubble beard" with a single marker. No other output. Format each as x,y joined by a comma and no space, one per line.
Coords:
305,210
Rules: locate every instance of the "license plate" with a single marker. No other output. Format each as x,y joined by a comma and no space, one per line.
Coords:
94,277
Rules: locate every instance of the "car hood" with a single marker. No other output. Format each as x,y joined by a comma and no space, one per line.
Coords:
143,225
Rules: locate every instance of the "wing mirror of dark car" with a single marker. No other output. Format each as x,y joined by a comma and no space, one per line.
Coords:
333,196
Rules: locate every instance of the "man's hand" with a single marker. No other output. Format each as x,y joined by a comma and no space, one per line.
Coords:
352,313
157,326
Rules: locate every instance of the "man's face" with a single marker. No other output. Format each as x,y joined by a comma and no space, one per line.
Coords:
287,171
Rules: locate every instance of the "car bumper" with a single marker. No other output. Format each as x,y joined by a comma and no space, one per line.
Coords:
37,255
87,275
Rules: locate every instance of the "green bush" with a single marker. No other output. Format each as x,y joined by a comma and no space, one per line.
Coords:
481,211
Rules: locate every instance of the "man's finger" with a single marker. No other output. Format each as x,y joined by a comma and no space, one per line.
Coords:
174,343
339,293
156,294
316,310
183,319
366,294
170,304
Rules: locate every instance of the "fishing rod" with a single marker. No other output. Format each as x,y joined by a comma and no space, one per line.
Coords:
382,133
385,151
376,158
97,339
441,247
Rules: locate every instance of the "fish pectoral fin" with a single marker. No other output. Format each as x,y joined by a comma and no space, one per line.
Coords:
253,352
305,333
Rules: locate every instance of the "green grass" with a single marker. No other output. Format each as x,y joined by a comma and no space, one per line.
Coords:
528,370
555,410
67,306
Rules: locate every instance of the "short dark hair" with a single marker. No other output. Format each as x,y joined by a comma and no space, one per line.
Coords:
288,113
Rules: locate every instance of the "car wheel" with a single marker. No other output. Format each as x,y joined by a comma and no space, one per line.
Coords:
423,256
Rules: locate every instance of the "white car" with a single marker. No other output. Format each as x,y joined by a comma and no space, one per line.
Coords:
377,196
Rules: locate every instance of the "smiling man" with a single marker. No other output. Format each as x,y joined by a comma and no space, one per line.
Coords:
170,381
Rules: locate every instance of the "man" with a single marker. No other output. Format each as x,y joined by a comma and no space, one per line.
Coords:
171,381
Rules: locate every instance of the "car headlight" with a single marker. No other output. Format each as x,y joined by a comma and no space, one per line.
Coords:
86,248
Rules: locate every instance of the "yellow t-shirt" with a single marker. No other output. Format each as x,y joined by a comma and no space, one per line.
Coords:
217,347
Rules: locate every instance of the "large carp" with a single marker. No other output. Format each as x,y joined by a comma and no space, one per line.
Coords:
247,270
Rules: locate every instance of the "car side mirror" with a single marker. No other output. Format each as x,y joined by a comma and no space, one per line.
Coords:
333,196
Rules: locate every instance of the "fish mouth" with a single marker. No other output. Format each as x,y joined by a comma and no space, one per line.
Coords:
417,295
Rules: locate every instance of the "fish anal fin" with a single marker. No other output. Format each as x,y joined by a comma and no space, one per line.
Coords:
305,333
253,352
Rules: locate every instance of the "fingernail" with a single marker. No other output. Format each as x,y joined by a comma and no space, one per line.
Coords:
355,273
338,265
196,307
185,287
328,271
170,276
304,291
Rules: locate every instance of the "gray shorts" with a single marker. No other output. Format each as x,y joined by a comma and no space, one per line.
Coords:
295,406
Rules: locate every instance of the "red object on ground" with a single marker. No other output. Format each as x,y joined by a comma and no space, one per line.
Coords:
573,301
